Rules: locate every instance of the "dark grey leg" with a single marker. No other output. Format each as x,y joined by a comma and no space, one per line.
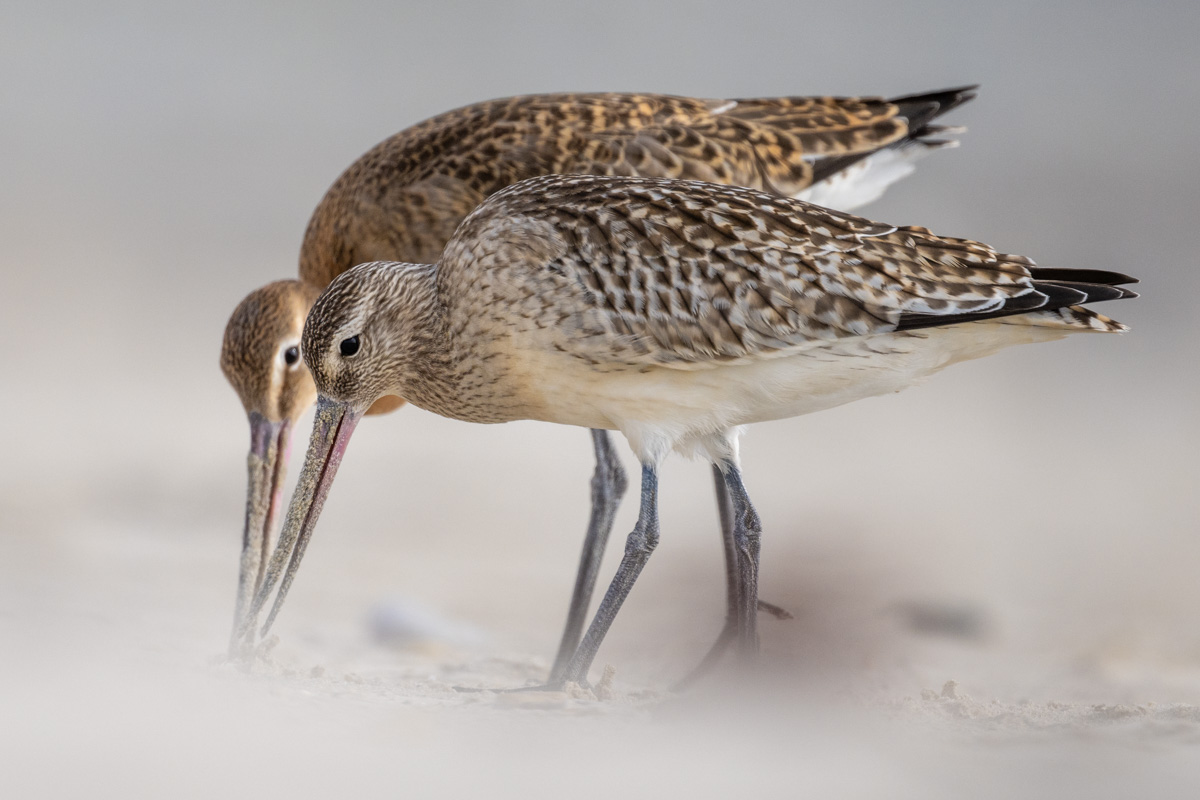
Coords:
638,547
747,534
732,579
732,583
733,592
608,486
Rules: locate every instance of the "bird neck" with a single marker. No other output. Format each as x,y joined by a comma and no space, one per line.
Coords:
427,371
338,238
440,367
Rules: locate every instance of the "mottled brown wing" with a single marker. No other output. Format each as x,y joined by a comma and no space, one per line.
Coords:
403,199
685,274
400,222
774,144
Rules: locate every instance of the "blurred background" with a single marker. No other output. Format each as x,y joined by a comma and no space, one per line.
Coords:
1025,525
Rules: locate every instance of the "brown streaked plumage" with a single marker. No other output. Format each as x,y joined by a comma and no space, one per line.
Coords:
261,330
408,194
674,312
403,200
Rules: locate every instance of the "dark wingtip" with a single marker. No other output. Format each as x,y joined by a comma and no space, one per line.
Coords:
921,109
1101,276
918,110
935,103
1054,288
1092,292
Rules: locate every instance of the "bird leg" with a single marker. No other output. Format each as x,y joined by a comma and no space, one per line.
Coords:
733,591
732,577
747,534
638,547
608,487
733,587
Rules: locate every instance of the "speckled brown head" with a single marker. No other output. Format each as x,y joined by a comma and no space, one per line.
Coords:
261,359
376,329
260,354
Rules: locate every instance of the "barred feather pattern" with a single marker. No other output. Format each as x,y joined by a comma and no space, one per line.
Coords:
686,274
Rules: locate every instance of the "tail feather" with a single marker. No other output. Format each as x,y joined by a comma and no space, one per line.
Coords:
1069,318
919,110
1091,292
1055,302
1080,275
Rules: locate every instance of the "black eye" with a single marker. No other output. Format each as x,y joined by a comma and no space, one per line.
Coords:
291,355
349,346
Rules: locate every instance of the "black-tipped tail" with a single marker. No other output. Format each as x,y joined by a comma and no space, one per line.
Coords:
919,110
1053,288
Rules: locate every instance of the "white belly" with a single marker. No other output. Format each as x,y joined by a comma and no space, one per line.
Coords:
661,408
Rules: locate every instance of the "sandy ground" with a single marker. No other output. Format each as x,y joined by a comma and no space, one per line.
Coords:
992,574
919,664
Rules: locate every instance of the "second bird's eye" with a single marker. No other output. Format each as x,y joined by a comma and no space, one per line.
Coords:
291,355
349,346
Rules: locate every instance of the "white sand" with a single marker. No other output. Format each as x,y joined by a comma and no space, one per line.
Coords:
119,686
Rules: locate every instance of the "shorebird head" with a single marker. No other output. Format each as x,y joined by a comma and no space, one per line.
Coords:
260,355
362,335
261,359
358,343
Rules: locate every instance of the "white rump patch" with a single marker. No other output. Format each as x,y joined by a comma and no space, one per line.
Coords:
867,180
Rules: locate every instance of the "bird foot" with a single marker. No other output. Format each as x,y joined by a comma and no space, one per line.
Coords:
775,611
578,689
549,686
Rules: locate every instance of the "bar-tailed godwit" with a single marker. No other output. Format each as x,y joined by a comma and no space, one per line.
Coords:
674,312
403,200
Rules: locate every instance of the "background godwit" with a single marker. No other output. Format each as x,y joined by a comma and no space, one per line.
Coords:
403,199
673,311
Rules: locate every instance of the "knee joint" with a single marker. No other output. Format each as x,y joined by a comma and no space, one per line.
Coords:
643,540
747,538
609,478
749,519
617,479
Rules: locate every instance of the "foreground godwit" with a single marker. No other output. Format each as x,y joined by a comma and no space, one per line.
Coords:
404,199
672,311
